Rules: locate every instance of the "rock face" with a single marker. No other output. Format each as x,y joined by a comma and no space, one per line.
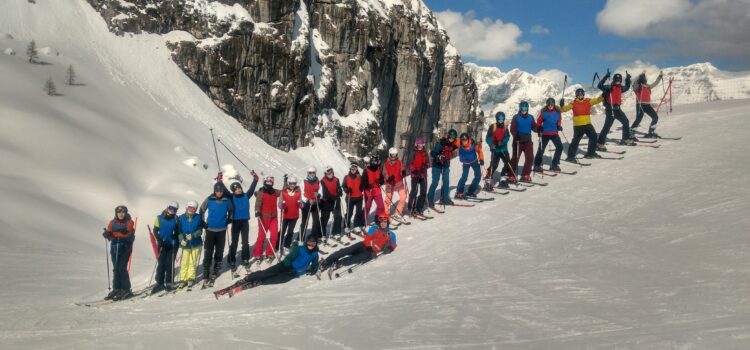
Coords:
361,71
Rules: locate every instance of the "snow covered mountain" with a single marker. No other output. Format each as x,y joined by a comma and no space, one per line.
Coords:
293,70
502,91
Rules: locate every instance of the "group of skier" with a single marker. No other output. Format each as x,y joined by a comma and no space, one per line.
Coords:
203,229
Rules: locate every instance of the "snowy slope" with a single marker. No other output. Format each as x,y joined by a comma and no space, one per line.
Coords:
633,254
136,133
701,82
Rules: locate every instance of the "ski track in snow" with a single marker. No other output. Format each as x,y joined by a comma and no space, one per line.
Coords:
646,253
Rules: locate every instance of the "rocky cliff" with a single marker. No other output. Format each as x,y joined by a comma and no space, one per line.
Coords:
366,72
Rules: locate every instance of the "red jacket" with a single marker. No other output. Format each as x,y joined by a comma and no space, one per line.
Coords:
372,179
395,169
419,164
354,184
266,201
311,189
379,240
291,211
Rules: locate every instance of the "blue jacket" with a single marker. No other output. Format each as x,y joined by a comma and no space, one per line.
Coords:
300,259
166,229
219,211
550,121
468,156
524,124
241,203
193,226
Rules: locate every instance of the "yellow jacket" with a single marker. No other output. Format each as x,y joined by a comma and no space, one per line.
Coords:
582,109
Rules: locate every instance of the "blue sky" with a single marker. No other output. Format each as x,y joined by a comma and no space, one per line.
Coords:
566,35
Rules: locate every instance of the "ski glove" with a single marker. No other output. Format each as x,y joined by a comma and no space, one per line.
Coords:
107,235
388,249
562,102
183,243
559,128
403,173
257,214
481,162
189,237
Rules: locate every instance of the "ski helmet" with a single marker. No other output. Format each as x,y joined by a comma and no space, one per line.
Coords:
550,101
393,152
375,159
234,186
580,92
192,204
268,180
617,78
329,169
121,209
366,159
419,141
173,206
523,106
464,136
292,180
311,238
312,170
500,117
354,166
452,133
642,79
383,216
219,187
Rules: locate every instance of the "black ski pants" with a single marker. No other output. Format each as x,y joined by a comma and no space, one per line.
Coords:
578,132
558,150
612,113
120,254
645,108
213,248
239,228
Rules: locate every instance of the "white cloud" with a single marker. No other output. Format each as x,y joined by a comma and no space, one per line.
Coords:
483,39
637,67
703,29
539,29
554,75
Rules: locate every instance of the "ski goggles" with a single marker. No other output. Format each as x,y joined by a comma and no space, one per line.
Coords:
191,210
526,109
171,209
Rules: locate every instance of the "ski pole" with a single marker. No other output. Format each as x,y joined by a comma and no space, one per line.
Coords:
216,152
235,156
200,255
106,255
303,227
265,232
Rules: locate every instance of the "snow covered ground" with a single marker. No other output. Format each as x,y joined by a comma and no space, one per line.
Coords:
650,252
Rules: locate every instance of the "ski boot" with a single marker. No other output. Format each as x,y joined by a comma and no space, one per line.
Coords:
525,178
627,142
503,184
459,196
112,294
651,135
555,168
123,294
592,156
512,179
157,288
601,147
233,266
538,169
471,194
448,201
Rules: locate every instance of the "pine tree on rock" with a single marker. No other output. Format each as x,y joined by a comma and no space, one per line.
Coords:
31,52
49,87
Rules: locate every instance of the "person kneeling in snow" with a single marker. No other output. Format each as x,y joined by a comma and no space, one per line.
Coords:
378,239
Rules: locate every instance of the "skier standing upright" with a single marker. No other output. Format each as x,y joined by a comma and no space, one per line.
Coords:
581,107
612,102
373,179
643,104
290,208
471,157
497,139
418,171
266,210
310,199
216,212
166,231
120,232
330,204
240,222
550,123
394,173
521,127
191,229
353,186
441,155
